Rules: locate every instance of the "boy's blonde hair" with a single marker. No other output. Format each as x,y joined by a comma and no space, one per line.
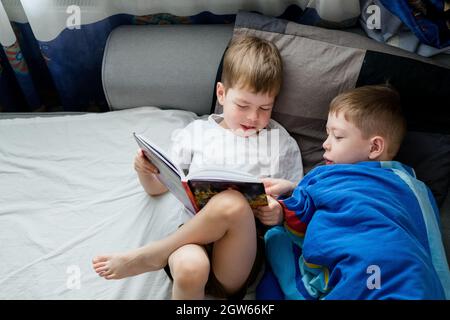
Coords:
374,110
254,64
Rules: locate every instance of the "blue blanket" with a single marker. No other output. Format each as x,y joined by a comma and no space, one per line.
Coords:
363,231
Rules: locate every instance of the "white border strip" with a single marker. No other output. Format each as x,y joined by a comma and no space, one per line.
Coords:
7,36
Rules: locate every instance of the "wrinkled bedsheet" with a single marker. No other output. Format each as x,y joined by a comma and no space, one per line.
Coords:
68,191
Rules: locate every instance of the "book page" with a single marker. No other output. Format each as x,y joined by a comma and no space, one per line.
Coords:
221,174
204,190
205,183
169,174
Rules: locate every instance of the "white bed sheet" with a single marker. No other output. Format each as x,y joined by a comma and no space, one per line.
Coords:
68,191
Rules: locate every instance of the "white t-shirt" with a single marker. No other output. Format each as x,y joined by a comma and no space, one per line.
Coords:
270,153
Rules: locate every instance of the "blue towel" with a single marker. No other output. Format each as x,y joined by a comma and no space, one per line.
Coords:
362,231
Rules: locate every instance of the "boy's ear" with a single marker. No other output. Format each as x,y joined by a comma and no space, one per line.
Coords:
220,92
377,148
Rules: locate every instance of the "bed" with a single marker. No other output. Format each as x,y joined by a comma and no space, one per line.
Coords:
68,188
71,194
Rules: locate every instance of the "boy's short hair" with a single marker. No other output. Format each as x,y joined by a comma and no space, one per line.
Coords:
374,110
252,63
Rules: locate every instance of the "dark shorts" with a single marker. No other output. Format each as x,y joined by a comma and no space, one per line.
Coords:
215,288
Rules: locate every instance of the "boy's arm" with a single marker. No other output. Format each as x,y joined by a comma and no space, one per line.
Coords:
297,209
146,174
278,187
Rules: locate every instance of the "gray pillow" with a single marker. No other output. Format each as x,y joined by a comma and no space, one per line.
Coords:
168,66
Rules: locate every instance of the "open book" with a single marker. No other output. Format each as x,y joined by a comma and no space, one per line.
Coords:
195,190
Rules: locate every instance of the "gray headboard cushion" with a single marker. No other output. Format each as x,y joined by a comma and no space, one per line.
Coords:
168,66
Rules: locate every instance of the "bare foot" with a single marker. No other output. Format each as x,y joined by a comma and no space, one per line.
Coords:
122,265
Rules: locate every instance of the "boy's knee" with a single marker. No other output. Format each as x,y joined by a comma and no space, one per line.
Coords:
190,272
232,204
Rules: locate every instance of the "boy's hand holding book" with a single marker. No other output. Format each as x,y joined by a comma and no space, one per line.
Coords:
270,215
144,165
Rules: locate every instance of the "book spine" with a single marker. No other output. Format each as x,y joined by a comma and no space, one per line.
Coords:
190,195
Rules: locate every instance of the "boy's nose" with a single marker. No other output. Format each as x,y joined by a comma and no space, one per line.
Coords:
253,117
326,145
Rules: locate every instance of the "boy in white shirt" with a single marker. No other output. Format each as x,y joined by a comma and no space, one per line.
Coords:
217,252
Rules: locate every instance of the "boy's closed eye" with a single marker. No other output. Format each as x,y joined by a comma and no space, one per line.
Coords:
335,134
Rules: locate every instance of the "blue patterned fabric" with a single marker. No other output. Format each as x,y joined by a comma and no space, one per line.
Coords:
84,48
19,65
10,94
42,84
64,74
425,18
372,232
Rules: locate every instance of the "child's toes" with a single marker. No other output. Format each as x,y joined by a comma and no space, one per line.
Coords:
110,276
102,269
108,273
98,259
99,265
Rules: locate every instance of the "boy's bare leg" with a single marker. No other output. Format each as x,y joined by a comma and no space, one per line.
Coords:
234,254
227,216
233,258
189,267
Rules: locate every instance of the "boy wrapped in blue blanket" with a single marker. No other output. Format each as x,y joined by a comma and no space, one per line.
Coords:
362,226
